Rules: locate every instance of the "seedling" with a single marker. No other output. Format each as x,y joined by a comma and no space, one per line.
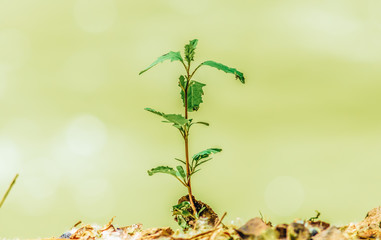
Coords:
191,92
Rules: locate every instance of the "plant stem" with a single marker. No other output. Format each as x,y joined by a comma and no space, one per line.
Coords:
188,176
195,70
187,144
9,189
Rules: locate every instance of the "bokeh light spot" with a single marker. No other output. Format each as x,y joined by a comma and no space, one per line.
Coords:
86,135
284,195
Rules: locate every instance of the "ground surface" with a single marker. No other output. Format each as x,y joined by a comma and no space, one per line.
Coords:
256,228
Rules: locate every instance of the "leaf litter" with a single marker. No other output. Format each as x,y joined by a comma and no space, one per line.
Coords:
256,229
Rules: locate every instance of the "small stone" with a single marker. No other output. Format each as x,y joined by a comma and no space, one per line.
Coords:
253,228
282,230
319,224
314,231
65,235
297,231
331,233
350,230
370,226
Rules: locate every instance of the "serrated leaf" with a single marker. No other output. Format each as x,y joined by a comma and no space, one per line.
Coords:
206,153
226,69
189,50
154,111
177,119
182,83
173,56
162,169
195,93
181,172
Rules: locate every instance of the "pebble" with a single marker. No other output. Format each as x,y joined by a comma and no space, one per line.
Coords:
65,235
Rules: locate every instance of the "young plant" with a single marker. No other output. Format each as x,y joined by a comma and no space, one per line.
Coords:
191,92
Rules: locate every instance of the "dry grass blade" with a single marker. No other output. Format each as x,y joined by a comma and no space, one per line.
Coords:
213,231
76,225
108,226
219,221
9,189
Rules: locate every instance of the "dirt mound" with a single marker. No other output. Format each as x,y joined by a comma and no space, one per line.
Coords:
208,213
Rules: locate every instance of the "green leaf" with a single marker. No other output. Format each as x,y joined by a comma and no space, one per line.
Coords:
206,153
182,208
177,119
194,172
203,123
199,163
181,172
182,211
182,161
226,69
182,223
162,169
182,83
189,50
185,205
199,212
173,56
195,93
154,111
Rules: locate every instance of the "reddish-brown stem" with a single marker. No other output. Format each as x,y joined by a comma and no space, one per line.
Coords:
186,134
188,176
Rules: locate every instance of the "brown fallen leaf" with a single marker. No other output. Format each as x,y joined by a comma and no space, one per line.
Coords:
253,228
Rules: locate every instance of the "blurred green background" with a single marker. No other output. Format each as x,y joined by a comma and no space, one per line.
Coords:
303,134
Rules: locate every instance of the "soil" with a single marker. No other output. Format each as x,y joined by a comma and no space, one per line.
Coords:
208,214
256,229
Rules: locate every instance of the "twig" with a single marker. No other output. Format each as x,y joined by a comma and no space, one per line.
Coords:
108,226
210,231
9,189
214,235
202,234
219,221
79,222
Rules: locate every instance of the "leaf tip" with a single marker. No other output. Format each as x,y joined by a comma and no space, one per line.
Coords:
242,79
